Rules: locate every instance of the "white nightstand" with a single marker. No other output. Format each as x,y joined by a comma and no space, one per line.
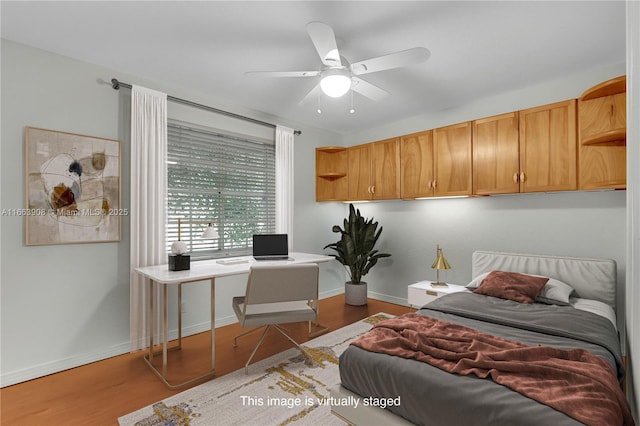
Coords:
422,293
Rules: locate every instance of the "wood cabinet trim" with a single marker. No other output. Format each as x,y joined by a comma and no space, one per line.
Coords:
606,88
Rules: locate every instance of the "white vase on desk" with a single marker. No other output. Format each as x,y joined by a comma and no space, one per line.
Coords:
355,294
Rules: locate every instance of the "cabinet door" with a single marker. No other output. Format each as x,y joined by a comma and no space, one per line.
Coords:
359,158
548,160
452,150
603,151
496,158
416,165
385,169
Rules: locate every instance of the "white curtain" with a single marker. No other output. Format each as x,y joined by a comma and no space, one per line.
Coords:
284,182
148,200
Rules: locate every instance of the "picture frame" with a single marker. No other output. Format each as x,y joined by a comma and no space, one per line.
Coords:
73,188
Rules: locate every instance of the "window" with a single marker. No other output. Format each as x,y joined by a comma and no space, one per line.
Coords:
227,179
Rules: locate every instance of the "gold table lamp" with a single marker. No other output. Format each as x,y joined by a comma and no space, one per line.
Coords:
438,264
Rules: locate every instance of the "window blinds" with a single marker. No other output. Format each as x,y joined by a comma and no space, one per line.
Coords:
226,179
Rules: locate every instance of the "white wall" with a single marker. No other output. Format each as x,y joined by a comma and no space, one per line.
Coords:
66,305
570,224
58,302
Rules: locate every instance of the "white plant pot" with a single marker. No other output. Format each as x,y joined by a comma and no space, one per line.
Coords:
355,294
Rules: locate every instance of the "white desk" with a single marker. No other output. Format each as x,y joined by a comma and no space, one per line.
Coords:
204,270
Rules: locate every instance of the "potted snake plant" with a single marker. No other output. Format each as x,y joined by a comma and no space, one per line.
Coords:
355,250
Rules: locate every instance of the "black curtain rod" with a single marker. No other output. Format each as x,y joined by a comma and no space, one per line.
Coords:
117,84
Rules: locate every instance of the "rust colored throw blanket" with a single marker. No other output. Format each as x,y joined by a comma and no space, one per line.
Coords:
575,382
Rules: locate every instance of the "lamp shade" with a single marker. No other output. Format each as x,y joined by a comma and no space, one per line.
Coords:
210,233
335,82
440,262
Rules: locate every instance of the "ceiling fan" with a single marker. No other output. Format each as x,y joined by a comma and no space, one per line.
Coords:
337,75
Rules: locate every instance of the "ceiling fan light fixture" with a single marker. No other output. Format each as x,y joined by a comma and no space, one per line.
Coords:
335,82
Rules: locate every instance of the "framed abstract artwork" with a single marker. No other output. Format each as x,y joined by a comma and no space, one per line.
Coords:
73,188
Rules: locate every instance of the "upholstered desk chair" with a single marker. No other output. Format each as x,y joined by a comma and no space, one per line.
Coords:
278,294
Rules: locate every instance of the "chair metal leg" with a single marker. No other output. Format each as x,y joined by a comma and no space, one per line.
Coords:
264,333
235,339
284,333
246,366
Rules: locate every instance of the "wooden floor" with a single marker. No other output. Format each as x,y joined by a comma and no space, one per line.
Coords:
99,393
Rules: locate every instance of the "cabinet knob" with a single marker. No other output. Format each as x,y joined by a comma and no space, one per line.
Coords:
522,177
515,177
373,189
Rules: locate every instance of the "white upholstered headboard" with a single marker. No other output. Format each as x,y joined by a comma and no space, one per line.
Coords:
591,278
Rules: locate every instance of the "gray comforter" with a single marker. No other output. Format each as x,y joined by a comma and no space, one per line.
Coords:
431,396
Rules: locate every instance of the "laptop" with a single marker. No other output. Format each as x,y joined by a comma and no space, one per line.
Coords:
270,247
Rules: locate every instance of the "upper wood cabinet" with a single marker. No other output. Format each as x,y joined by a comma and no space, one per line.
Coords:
548,148
496,155
331,173
602,118
416,165
374,170
452,165
532,150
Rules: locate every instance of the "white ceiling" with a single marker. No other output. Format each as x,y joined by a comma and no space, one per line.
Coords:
478,48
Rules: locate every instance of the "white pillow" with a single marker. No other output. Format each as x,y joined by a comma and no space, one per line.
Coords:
554,292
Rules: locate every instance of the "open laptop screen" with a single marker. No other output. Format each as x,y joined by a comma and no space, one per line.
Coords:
270,245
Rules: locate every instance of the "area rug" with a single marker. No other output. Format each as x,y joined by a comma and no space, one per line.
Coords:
280,390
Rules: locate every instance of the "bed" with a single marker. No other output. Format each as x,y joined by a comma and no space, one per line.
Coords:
576,316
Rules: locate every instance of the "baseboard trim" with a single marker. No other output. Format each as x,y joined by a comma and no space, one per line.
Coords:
386,298
45,369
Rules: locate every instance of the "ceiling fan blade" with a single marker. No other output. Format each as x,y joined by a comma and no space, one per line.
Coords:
392,60
367,89
269,74
325,42
313,94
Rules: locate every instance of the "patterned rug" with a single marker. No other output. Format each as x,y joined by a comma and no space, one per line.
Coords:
280,390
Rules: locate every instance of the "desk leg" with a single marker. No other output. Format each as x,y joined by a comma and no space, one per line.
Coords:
180,315
165,329
164,335
150,320
213,324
